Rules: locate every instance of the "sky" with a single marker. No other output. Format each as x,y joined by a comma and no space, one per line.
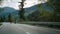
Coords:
14,3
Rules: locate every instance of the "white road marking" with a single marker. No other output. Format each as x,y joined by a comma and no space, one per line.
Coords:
27,33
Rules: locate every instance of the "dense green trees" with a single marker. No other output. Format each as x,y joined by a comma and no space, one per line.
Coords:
40,15
56,5
7,18
1,19
11,18
50,14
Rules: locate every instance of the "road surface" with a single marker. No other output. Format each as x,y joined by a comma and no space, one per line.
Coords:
7,28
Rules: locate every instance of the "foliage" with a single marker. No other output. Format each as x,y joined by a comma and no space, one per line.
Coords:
46,15
10,18
21,11
41,14
56,4
1,19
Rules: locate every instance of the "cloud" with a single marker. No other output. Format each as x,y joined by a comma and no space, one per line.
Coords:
14,3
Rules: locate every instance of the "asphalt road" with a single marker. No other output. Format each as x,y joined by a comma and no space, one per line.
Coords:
8,28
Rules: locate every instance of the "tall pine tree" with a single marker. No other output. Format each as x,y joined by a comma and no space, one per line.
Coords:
21,11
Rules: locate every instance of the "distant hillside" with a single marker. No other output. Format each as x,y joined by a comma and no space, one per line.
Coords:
44,12
7,10
27,10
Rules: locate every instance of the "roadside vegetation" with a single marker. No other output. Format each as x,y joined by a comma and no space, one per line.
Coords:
46,12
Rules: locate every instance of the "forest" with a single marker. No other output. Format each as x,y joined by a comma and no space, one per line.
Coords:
46,12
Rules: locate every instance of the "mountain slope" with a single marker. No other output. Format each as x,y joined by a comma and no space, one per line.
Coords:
27,10
8,10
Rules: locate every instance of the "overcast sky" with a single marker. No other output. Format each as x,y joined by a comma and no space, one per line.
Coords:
27,3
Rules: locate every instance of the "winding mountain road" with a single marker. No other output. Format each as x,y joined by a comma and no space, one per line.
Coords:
7,28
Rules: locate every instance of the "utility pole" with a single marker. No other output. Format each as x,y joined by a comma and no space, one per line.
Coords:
21,10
